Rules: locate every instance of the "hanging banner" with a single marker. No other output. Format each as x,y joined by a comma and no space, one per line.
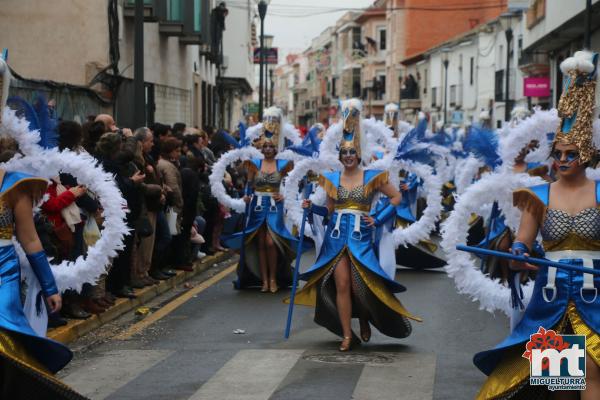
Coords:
271,55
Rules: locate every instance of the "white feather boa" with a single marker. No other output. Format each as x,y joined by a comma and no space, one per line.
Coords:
49,163
466,171
536,127
463,267
421,229
218,172
18,129
293,203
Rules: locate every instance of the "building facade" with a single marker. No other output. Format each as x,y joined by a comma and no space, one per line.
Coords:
237,75
463,79
96,44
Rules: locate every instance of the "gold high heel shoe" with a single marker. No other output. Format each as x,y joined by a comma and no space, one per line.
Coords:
365,331
264,288
346,344
273,286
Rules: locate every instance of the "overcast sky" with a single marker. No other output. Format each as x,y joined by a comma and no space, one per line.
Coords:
294,34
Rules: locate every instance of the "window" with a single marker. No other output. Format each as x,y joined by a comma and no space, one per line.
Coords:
452,95
379,85
356,86
382,39
434,97
356,35
425,81
472,66
174,10
333,87
197,15
498,86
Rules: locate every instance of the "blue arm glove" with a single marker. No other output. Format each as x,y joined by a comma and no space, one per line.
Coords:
385,214
514,283
41,269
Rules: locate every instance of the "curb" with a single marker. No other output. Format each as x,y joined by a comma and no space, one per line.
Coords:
77,328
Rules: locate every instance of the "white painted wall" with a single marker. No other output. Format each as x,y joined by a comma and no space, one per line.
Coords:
557,13
237,43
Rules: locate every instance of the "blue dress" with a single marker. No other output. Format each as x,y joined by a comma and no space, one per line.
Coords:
264,211
32,357
566,308
347,234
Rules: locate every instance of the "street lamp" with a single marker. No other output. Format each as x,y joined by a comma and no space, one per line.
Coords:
506,22
445,62
268,44
262,12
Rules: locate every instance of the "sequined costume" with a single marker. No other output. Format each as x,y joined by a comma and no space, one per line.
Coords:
346,233
27,361
265,211
566,302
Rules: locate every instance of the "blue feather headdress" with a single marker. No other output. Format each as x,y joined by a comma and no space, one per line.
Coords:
413,146
310,144
483,143
242,142
39,117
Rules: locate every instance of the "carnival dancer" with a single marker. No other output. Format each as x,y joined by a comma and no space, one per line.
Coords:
346,279
410,230
567,215
27,360
269,248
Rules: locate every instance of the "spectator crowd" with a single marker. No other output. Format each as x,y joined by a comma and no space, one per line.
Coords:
162,172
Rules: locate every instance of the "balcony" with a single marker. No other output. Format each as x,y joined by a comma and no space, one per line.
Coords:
534,64
406,104
170,28
187,19
150,7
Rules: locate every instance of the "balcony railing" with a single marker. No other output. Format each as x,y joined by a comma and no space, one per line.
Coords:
534,63
411,104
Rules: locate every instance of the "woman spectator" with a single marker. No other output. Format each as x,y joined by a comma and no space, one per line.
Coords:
70,137
118,162
168,167
62,212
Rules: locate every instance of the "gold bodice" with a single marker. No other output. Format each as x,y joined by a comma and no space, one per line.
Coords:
354,199
267,181
562,231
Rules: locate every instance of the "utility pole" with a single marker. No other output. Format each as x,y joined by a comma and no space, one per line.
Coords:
139,90
587,38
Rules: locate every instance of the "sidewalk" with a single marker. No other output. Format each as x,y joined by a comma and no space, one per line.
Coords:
77,328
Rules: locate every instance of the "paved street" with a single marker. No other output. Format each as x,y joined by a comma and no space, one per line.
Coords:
192,352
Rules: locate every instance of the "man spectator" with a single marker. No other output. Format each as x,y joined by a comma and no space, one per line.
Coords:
154,199
111,126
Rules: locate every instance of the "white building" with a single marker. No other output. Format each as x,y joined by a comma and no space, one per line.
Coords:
238,63
178,72
476,63
554,31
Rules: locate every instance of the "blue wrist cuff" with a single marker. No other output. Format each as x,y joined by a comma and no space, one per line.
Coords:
385,214
41,269
319,210
519,248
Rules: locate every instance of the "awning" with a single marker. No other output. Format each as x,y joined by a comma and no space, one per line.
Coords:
235,84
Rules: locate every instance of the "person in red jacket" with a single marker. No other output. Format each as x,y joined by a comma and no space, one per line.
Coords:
62,212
